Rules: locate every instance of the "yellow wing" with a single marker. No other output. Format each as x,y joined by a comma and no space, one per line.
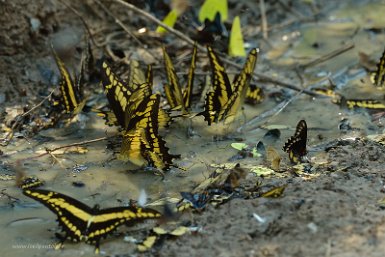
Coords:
143,137
172,89
221,90
80,222
369,104
378,77
240,86
187,93
241,82
125,99
254,95
69,93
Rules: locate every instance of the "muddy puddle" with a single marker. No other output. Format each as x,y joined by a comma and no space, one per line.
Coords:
328,220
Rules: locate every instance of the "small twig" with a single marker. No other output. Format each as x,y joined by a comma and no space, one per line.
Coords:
263,18
158,22
328,248
10,197
56,159
119,22
39,104
288,8
327,56
8,137
75,144
50,151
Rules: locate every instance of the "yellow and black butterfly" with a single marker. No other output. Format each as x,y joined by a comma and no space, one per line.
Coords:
80,222
177,99
378,77
296,145
224,99
254,95
71,93
122,96
361,103
144,141
156,150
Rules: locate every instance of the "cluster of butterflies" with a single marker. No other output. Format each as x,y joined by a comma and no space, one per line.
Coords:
137,110
377,78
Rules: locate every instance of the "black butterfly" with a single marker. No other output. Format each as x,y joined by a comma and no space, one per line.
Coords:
296,145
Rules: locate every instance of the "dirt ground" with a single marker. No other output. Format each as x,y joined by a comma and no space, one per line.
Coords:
336,209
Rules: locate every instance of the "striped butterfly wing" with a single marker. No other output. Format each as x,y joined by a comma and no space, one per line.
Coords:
107,220
172,89
221,90
254,95
72,215
378,77
117,92
80,222
240,85
241,82
188,90
69,93
158,154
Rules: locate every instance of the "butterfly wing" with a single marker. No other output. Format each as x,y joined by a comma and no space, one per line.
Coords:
118,93
241,82
296,145
107,220
378,77
172,89
187,93
254,95
72,215
221,90
70,95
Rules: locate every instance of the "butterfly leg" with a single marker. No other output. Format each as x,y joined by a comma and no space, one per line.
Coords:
59,245
97,247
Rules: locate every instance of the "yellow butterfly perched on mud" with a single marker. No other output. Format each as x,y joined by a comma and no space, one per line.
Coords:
378,77
143,143
224,99
71,93
296,145
80,222
178,99
124,98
